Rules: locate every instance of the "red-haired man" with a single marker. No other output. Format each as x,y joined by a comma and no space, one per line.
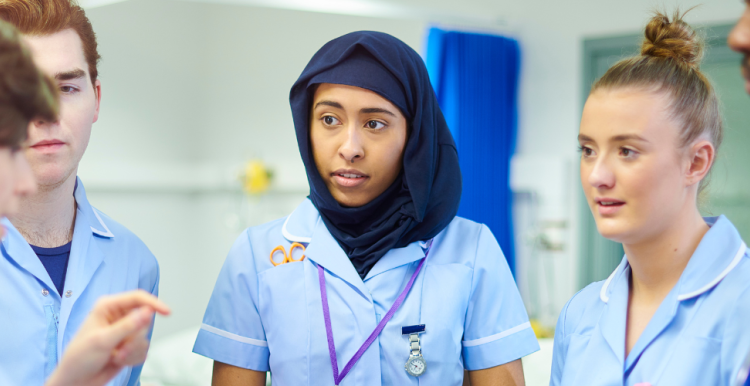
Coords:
60,254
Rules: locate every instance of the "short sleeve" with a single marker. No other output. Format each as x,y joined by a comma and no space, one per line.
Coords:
560,348
497,328
735,346
232,331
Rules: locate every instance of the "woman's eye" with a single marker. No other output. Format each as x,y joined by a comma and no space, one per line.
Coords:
586,151
625,152
375,125
329,120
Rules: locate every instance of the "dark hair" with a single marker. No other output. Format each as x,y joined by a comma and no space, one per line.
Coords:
25,93
669,63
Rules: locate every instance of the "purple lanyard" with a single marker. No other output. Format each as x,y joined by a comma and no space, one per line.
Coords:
337,378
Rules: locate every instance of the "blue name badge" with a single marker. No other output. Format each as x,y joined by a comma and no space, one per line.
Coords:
407,330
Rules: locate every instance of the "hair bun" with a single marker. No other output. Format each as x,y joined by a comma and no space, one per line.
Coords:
674,39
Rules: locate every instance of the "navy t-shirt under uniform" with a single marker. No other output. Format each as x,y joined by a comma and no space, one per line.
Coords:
55,261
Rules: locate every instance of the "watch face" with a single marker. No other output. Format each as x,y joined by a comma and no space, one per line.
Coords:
416,366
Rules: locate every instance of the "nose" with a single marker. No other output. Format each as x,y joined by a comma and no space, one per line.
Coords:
739,37
601,176
25,184
352,148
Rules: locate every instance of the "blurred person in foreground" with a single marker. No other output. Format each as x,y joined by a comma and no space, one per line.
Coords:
60,254
115,333
739,40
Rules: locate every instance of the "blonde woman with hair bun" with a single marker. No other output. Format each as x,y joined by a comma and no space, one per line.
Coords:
676,311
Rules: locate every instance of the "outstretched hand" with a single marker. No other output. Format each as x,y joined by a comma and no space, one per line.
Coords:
113,336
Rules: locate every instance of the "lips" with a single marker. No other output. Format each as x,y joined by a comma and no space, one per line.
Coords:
608,206
48,145
349,178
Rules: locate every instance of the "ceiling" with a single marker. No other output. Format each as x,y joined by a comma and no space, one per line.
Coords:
579,17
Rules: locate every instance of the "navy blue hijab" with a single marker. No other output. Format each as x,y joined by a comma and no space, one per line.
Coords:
425,196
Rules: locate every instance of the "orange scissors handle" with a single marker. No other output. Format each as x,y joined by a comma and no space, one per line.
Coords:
281,249
291,250
287,258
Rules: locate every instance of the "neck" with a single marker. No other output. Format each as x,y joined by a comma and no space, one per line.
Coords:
47,218
657,263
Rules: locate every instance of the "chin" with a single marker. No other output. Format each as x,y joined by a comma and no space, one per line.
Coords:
615,230
51,175
349,201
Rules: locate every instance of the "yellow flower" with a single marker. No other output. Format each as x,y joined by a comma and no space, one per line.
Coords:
256,178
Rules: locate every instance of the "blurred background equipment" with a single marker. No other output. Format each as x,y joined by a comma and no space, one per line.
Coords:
256,179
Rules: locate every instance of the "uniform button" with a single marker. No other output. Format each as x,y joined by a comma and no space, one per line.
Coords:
45,292
68,293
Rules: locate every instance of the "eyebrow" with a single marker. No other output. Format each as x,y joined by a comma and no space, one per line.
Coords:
375,110
366,110
627,137
70,75
617,138
329,103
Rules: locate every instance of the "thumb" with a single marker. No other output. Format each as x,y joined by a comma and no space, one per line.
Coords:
126,326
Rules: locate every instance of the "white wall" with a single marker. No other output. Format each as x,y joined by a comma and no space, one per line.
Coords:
191,90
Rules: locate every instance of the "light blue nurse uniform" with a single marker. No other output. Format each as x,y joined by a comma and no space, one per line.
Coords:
37,323
699,335
262,317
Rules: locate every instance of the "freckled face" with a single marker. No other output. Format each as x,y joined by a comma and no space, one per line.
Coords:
56,148
632,171
358,140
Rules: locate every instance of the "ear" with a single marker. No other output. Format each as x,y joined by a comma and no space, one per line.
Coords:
98,96
701,157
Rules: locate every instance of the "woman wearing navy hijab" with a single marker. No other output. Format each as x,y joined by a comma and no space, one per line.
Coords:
393,288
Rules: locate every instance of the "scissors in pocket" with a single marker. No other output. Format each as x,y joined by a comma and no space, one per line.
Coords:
287,258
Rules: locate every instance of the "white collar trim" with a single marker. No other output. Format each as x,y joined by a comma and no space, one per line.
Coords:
737,258
292,237
106,232
603,294
715,281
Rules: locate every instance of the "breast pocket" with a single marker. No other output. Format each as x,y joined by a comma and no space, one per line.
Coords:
695,361
283,310
445,298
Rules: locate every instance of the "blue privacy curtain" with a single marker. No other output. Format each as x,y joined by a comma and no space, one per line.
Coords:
475,77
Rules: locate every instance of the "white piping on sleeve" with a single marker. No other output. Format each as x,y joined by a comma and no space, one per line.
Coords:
292,237
724,273
492,338
235,337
